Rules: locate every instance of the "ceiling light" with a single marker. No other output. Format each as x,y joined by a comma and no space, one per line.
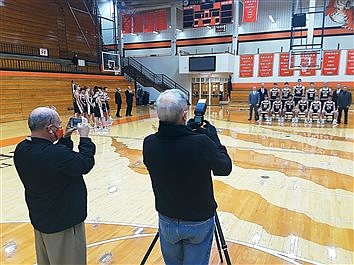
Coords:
208,27
133,34
179,30
271,18
155,32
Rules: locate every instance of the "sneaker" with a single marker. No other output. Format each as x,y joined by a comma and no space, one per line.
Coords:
334,121
323,121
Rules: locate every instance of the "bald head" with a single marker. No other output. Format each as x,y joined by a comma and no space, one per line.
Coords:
170,106
41,117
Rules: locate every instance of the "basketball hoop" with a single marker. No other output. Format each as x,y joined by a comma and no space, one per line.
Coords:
116,70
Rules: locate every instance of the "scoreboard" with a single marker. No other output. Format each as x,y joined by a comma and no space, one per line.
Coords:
202,13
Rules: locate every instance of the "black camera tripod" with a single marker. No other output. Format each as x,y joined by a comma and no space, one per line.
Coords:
219,237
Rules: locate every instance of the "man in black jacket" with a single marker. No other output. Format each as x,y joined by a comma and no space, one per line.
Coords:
55,190
129,95
344,102
180,162
118,101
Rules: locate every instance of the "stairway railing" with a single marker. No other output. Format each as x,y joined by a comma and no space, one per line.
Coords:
160,80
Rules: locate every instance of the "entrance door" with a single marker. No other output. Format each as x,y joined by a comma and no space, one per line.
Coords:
215,94
195,92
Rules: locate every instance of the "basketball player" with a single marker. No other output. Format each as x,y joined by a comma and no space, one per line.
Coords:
274,93
277,110
311,93
329,109
264,109
302,108
325,92
299,91
285,93
289,109
315,108
76,101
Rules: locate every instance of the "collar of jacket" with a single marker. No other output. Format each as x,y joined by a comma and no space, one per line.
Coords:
171,129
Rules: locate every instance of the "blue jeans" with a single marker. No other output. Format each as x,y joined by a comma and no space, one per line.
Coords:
185,242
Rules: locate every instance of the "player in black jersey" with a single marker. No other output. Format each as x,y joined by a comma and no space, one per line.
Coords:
289,109
285,93
325,92
329,109
299,91
302,108
277,109
315,108
311,93
274,93
264,109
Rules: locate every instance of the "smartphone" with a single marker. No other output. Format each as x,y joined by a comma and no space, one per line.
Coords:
75,121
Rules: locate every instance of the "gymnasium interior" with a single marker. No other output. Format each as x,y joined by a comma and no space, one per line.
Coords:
289,198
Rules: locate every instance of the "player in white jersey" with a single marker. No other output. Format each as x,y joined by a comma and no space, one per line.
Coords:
329,109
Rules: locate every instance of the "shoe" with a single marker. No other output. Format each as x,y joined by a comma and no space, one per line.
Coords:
249,119
130,115
345,122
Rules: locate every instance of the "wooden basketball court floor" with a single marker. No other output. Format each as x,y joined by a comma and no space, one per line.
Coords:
288,200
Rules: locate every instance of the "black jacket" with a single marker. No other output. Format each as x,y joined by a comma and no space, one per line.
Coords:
118,98
55,190
129,96
180,162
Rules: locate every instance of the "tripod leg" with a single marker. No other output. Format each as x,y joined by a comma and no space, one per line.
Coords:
222,239
218,244
150,249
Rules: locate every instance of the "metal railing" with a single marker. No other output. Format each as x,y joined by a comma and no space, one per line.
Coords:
160,80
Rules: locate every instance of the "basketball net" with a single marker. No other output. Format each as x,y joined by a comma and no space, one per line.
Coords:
116,70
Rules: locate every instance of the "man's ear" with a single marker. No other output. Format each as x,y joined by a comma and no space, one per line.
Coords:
185,116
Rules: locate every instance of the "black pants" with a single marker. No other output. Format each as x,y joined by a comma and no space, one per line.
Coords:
345,114
255,107
119,106
129,109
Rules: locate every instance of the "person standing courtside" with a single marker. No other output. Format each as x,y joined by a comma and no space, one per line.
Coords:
262,92
55,190
180,162
118,101
344,102
253,102
129,95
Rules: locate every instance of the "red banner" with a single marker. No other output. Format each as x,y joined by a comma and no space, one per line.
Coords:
138,20
265,67
161,19
250,10
149,21
330,63
127,24
350,63
246,65
284,69
308,60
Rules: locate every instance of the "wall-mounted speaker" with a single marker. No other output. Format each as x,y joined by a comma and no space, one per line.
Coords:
299,20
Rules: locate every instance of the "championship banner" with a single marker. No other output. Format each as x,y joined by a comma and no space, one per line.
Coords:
330,63
246,65
149,21
250,10
265,67
161,19
127,23
284,69
138,23
308,60
350,63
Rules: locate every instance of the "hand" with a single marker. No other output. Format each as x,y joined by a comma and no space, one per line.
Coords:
210,131
68,129
83,129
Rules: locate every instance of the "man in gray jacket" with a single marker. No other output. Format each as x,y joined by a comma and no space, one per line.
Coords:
344,100
253,102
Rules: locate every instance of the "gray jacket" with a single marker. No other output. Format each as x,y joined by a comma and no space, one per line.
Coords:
253,99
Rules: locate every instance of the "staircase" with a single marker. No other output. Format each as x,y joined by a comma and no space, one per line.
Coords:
147,78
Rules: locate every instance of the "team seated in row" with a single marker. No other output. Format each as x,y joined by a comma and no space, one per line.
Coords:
304,108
